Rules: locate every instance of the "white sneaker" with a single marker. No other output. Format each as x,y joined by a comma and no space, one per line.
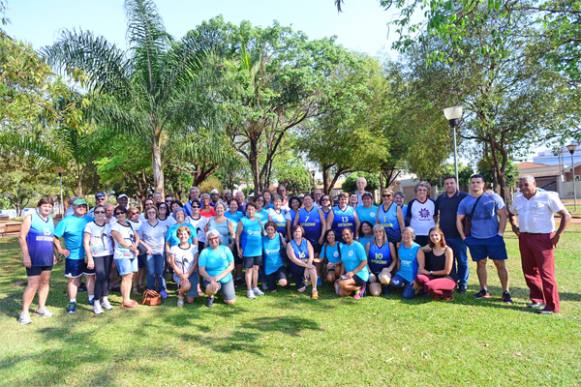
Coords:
105,303
258,292
97,307
24,318
180,302
250,294
44,313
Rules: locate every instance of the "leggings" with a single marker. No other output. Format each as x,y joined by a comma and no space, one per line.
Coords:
102,271
437,286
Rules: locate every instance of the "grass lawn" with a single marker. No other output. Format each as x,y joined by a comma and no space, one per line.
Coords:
287,339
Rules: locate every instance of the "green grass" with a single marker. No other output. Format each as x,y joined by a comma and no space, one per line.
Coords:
287,339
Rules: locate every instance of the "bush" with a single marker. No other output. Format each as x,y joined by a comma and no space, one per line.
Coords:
350,184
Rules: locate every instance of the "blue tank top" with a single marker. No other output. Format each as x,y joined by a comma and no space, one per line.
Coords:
302,251
280,219
388,219
331,253
364,240
379,257
222,228
271,252
251,237
262,216
293,215
408,268
311,222
40,240
343,219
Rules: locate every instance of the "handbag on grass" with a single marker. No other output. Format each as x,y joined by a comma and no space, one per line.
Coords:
151,298
468,218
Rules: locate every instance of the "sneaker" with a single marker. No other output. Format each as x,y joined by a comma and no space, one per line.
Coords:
163,294
462,288
360,293
337,287
24,318
105,304
91,301
536,305
210,302
72,307
44,313
483,293
546,311
315,295
506,297
250,294
180,302
97,307
258,292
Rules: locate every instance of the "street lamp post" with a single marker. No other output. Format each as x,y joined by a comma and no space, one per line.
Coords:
453,115
571,148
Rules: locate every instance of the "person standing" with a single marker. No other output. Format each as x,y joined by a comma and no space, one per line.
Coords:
390,216
36,243
420,212
537,241
342,217
367,211
446,208
194,194
72,229
100,200
249,245
487,215
361,183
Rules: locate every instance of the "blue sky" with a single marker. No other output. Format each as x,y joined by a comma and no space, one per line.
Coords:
362,26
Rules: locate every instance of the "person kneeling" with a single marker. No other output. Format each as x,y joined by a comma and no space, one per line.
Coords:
216,264
354,263
273,246
434,267
184,257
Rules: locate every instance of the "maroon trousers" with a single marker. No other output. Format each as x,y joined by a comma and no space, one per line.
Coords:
437,286
538,266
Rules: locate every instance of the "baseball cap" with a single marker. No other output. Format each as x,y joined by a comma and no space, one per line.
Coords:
100,195
79,202
214,191
122,196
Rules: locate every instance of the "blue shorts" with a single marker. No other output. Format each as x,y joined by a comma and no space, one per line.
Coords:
194,280
493,248
74,268
226,290
126,266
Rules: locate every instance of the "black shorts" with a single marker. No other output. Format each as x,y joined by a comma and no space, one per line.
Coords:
273,278
316,246
237,259
358,281
252,261
33,271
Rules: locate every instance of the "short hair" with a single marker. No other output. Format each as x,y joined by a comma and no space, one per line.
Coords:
424,184
343,195
478,176
299,227
367,195
45,200
220,203
447,177
293,198
327,234
98,206
250,204
528,178
212,233
413,232
184,229
361,226
270,224
120,210
361,178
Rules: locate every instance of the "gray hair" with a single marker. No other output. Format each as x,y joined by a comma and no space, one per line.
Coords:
410,230
424,184
212,233
527,178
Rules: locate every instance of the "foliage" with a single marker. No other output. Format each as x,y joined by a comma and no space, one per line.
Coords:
486,168
350,183
292,172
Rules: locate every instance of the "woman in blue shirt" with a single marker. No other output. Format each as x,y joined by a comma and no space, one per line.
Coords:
365,233
354,265
301,256
382,256
408,252
36,243
273,245
331,255
249,243
278,215
215,264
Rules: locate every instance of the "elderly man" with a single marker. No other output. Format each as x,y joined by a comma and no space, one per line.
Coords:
537,240
361,183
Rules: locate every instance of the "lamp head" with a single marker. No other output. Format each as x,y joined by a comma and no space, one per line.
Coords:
572,148
453,115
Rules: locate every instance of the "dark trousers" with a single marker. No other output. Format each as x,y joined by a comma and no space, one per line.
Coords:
102,272
460,267
538,266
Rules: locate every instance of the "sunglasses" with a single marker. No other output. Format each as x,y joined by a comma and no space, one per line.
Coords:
99,212
119,213
195,206
134,213
387,195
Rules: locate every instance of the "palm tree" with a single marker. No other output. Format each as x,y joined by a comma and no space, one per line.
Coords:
156,89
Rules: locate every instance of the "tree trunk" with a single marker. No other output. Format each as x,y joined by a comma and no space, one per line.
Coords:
326,178
158,178
253,159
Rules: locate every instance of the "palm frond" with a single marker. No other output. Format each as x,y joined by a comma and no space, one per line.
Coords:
31,146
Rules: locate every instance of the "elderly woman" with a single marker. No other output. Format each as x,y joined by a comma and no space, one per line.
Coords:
355,267
206,209
216,264
390,216
420,213
36,243
221,224
434,267
381,256
301,256
409,253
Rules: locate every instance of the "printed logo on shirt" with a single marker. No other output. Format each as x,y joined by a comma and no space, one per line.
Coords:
424,213
350,253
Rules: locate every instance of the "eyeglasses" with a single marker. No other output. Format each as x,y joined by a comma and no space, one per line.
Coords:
98,212
134,213
150,212
195,206
386,195
213,239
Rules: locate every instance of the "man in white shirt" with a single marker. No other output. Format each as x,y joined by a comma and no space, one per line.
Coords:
537,240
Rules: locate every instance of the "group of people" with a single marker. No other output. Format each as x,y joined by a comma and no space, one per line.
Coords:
213,243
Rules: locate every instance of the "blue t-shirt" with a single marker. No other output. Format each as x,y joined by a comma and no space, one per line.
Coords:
408,262
40,240
364,240
271,252
71,229
352,255
367,214
234,217
251,238
485,220
172,234
279,218
379,257
331,253
215,261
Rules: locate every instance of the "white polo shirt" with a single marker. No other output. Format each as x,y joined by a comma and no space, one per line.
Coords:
535,215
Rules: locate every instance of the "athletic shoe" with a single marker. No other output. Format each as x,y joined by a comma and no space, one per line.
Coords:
360,293
163,294
315,295
462,288
483,293
72,307
24,318
97,307
250,294
545,311
536,305
91,301
506,297
44,313
105,303
210,302
264,286
180,302
336,286
258,292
